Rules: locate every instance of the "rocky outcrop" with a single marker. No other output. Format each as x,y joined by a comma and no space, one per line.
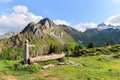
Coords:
42,34
8,35
45,26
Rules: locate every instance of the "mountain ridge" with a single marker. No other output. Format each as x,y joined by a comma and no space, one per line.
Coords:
42,34
8,35
47,27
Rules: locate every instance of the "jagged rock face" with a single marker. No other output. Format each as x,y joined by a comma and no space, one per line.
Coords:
8,35
47,23
41,34
77,35
44,26
30,27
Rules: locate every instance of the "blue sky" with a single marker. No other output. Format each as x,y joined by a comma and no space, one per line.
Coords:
79,14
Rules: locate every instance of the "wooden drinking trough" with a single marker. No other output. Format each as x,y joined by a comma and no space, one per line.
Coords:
28,59
45,58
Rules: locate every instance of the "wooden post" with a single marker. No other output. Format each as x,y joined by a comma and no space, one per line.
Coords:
26,52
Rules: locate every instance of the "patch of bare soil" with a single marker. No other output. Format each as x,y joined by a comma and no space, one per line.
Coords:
44,72
7,77
54,78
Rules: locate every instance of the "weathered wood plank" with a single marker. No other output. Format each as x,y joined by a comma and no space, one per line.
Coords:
46,57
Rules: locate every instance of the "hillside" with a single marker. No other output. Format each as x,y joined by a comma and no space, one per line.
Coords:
100,63
100,37
42,34
8,35
46,34
77,35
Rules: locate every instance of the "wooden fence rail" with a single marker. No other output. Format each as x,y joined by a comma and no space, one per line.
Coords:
45,58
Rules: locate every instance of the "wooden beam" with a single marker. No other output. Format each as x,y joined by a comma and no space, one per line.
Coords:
46,57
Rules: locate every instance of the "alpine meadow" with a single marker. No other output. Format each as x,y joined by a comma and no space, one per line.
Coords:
59,40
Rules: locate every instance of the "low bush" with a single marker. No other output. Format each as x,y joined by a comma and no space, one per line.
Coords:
32,68
114,50
12,53
61,60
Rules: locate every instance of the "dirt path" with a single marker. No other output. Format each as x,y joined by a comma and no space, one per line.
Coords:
45,73
7,77
54,78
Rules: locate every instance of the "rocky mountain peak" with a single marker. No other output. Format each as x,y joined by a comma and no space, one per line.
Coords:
42,25
43,21
47,23
30,27
102,24
93,30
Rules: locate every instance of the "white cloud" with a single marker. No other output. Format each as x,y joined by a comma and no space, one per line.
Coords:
61,22
83,26
20,9
113,20
18,19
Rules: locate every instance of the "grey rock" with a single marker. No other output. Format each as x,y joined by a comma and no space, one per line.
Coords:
8,35
48,66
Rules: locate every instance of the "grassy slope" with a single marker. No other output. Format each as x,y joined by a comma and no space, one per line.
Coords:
41,44
103,66
95,68
4,64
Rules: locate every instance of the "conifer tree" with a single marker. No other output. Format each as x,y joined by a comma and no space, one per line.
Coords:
90,45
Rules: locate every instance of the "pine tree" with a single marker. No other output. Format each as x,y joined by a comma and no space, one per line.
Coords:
107,43
90,45
50,49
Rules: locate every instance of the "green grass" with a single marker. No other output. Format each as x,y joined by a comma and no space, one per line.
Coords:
101,63
9,67
95,68
5,64
103,67
108,50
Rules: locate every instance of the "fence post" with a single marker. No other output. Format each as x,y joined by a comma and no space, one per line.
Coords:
26,52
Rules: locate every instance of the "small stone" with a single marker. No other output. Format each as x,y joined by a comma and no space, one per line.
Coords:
48,66
61,63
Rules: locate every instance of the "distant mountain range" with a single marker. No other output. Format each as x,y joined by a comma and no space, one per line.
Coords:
104,26
102,34
46,32
99,36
